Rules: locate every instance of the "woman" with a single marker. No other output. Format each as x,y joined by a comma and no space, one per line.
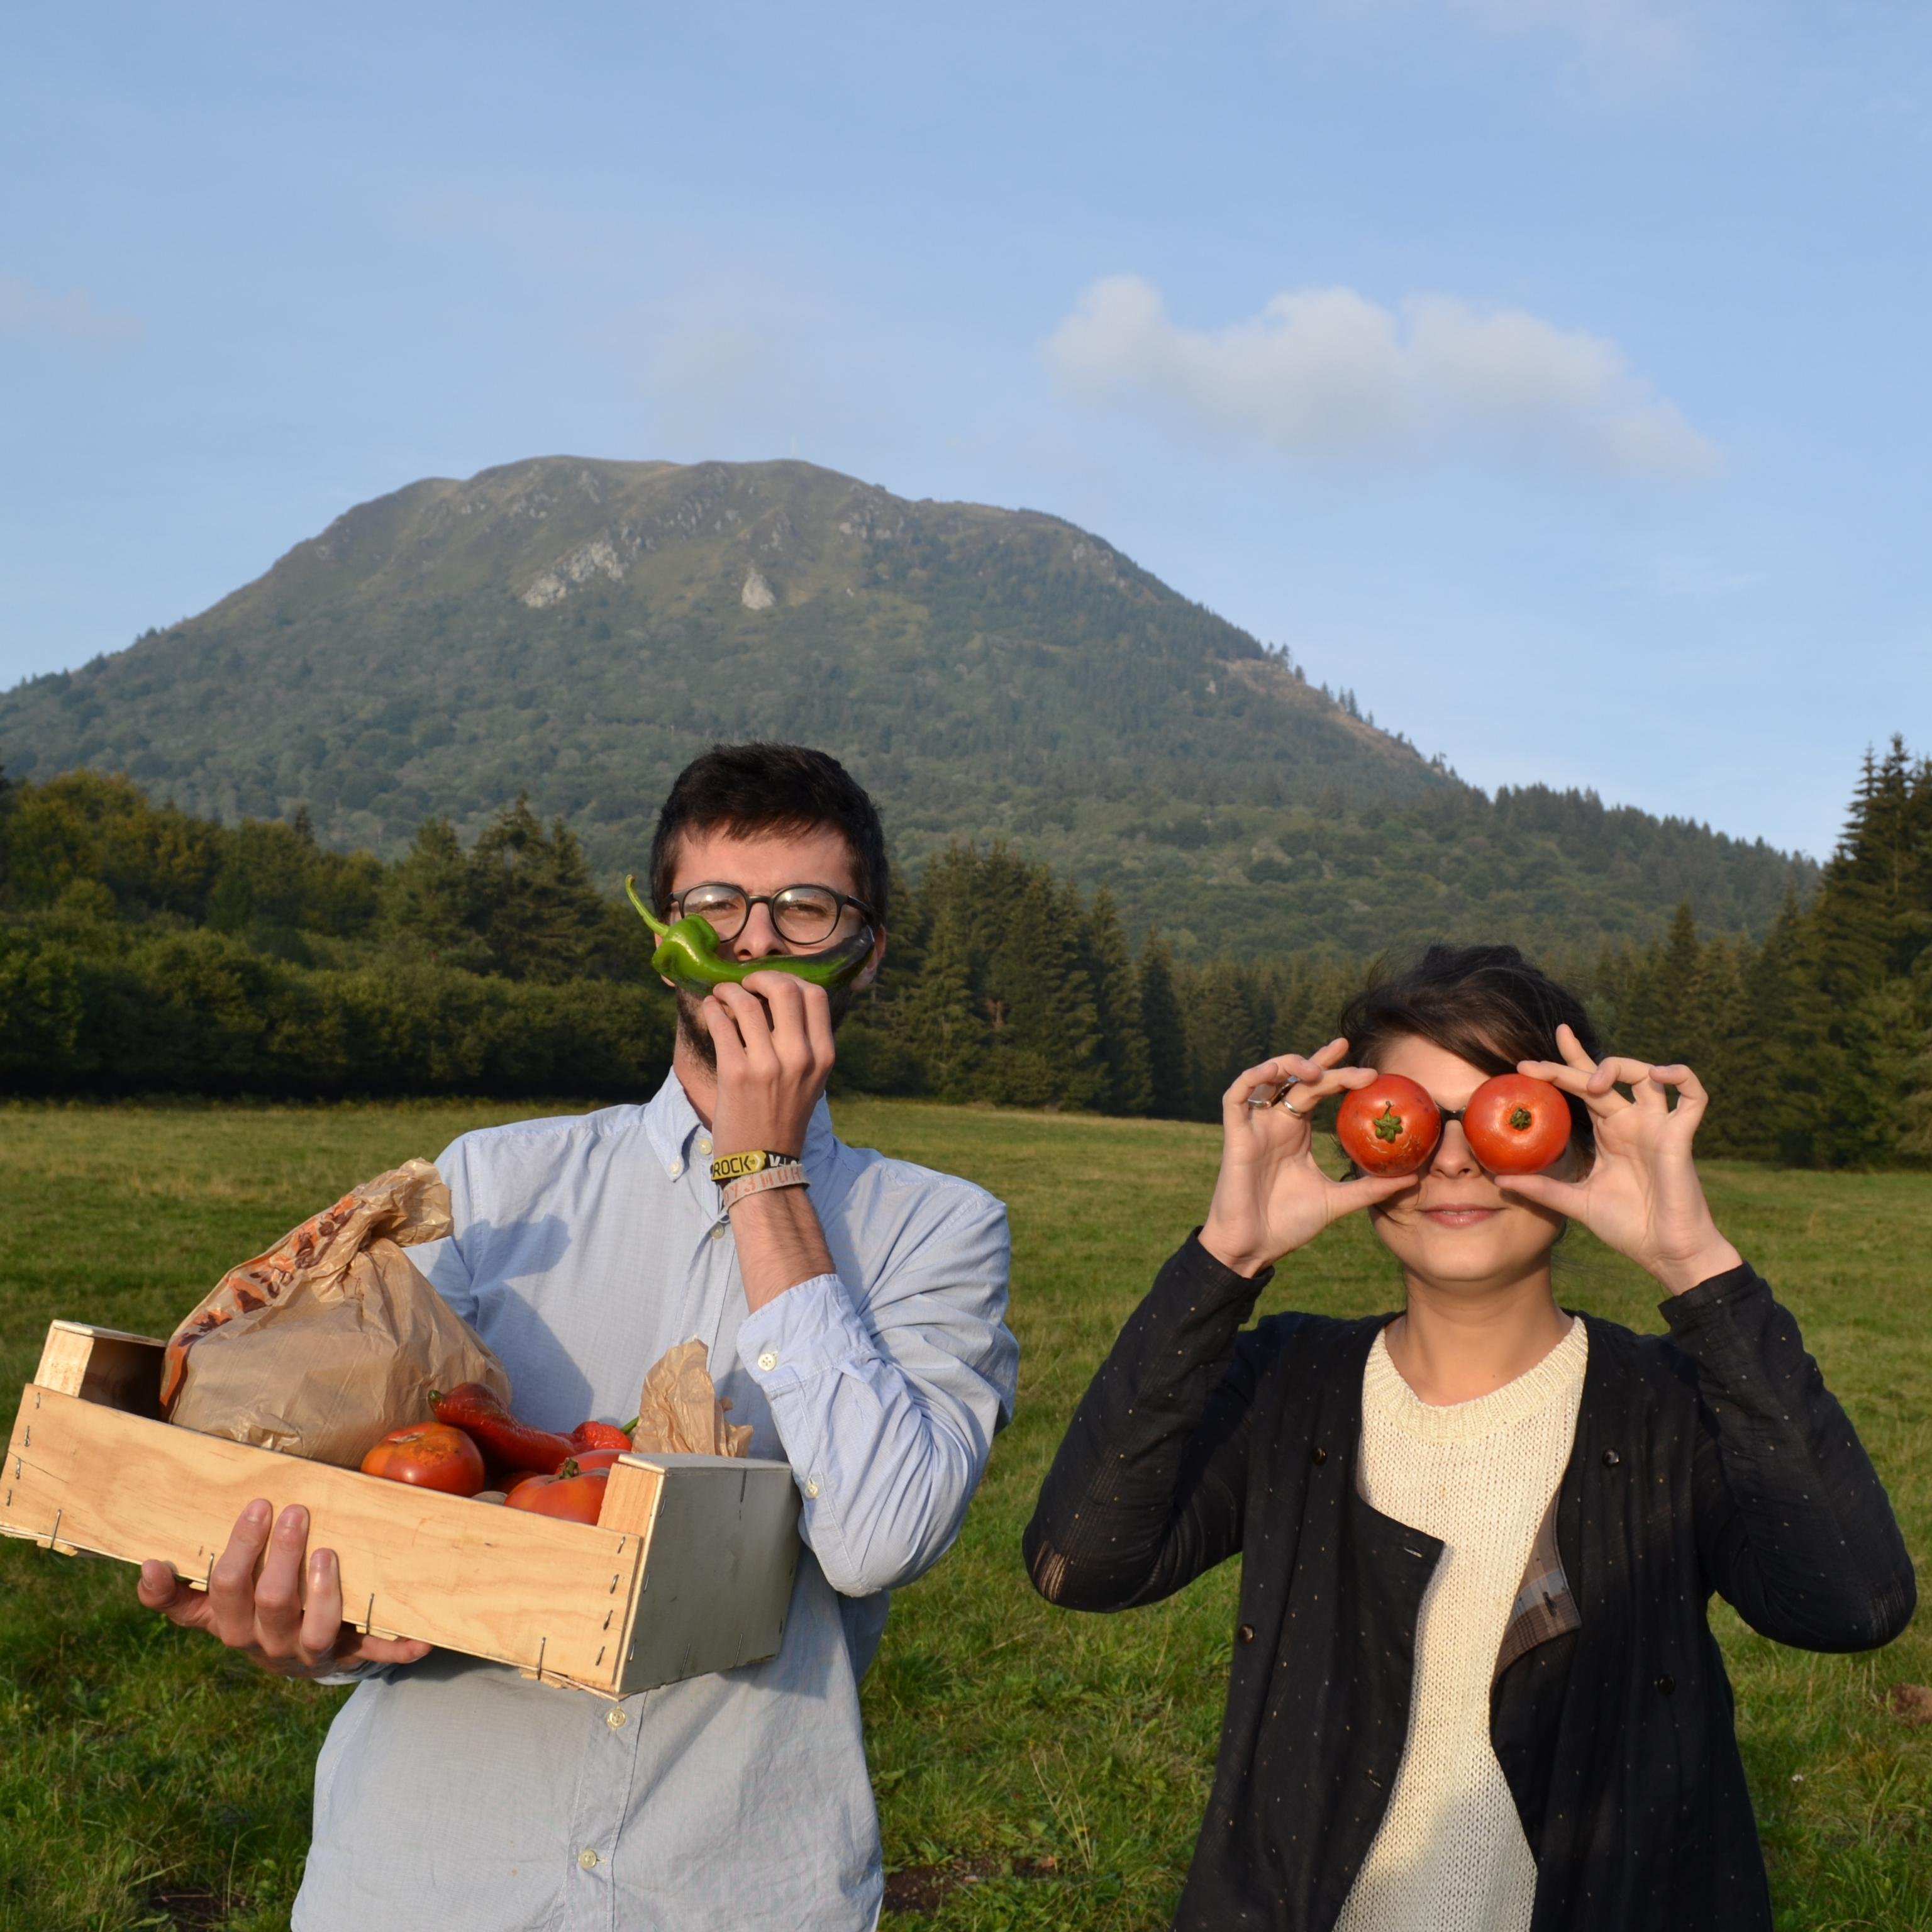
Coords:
1473,1684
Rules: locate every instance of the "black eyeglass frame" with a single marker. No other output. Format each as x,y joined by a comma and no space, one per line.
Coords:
766,899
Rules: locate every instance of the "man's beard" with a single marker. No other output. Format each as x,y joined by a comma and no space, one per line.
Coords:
691,1033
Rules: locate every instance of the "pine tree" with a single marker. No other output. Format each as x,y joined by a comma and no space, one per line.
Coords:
1717,1043
935,1017
536,905
430,908
1123,1044
1164,1026
1045,1043
1227,1032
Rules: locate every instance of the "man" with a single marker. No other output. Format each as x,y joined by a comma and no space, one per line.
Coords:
857,1324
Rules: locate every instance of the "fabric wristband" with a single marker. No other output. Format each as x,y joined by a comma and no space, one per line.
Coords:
790,1175
754,1160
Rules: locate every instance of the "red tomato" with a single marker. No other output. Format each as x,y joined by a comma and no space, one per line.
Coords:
588,1459
1516,1125
1390,1127
432,1455
577,1498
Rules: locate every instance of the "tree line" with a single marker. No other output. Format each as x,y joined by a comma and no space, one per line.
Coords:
144,949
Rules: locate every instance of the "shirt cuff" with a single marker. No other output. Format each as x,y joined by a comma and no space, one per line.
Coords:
800,1334
1697,1307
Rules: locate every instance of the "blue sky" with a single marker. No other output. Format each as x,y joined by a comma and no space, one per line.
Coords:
1551,372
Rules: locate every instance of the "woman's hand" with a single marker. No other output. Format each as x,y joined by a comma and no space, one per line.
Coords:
1271,1197
1642,1196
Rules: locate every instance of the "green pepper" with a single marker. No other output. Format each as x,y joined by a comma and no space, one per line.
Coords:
688,955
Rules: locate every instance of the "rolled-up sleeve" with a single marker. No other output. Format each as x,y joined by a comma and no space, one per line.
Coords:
886,1396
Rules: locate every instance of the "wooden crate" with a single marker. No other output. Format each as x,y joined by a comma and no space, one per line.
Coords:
689,1569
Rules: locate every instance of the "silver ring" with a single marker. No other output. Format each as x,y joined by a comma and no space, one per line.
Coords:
1277,1096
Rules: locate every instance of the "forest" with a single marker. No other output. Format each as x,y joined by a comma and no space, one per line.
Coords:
144,949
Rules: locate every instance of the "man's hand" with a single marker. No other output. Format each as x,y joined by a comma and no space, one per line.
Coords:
773,1037
1271,1196
292,1632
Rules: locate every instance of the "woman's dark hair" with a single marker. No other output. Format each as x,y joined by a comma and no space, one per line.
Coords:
759,788
1485,1004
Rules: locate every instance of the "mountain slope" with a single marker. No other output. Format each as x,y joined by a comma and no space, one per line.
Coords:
575,629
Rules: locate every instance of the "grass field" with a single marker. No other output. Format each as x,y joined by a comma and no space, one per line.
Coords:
1034,1769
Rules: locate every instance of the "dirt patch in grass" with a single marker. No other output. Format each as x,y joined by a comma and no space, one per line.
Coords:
917,1891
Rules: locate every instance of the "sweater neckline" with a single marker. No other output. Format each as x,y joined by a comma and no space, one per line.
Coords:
1559,1376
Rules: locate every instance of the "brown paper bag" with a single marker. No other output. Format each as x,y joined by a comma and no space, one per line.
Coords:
679,1413
321,1346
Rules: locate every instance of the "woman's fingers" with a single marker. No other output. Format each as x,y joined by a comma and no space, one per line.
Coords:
1545,1190
1692,1096
1581,1081
1572,1049
1619,1070
1369,1190
1262,1085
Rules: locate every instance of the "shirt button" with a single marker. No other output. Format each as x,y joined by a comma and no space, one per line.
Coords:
1318,1456
616,1716
704,1143
717,1232
587,1859
1665,1685
676,1168
768,1361
812,1485
1246,1633
1611,1458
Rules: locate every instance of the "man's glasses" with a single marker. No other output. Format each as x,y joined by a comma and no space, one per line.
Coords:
805,915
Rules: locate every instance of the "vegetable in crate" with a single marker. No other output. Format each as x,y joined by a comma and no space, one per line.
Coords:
575,1494
431,1455
688,956
507,1442
332,1338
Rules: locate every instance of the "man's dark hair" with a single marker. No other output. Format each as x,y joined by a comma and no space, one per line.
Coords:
1485,1004
758,789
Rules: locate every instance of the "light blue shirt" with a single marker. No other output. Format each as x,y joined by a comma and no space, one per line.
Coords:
456,1794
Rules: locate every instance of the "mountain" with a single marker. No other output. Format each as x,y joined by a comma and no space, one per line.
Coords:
576,629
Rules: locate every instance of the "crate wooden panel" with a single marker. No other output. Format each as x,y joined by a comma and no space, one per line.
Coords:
688,1571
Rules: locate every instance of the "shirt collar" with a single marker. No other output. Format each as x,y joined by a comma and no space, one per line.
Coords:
671,1124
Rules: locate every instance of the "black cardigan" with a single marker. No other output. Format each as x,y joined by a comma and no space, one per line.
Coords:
1713,1459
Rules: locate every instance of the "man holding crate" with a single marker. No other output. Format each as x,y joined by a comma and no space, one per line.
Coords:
854,1313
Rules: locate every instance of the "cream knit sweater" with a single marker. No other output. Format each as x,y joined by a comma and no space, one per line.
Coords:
1450,1855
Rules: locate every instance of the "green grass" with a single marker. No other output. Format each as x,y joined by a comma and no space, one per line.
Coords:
1034,1769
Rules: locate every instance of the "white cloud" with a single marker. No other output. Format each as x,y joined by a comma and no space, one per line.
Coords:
1621,41
25,309
1644,33
1327,369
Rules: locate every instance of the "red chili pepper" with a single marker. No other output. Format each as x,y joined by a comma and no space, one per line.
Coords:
600,1435
508,1442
